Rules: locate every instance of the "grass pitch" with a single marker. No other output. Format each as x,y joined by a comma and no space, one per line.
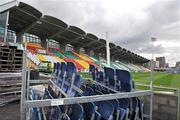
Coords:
160,79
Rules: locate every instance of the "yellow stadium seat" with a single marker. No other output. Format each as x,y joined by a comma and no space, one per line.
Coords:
83,63
84,57
58,59
41,57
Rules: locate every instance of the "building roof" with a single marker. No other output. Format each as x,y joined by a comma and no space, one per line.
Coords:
24,18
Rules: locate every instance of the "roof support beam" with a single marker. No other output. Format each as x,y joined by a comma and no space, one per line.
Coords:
64,38
57,33
27,13
99,47
27,28
85,45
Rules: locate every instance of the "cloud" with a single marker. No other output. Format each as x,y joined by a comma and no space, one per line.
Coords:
130,24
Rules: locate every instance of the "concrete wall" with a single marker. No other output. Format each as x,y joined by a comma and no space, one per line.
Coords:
165,106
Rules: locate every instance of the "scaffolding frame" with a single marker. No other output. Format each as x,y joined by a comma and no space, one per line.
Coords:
27,104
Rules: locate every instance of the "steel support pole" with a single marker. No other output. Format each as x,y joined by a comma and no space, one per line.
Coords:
6,27
107,50
151,87
23,86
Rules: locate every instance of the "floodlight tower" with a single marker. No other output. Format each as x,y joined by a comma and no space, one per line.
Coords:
153,39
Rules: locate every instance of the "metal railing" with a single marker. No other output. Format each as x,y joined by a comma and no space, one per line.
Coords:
175,91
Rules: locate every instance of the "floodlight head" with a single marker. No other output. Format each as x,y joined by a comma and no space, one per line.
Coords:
153,39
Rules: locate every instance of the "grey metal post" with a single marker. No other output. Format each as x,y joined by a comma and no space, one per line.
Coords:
107,50
6,28
178,111
28,81
151,87
23,86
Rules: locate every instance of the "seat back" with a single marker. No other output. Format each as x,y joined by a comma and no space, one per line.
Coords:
124,103
125,79
63,68
71,69
56,71
100,77
89,110
36,114
77,83
106,109
70,75
92,70
54,67
77,112
109,76
55,112
88,91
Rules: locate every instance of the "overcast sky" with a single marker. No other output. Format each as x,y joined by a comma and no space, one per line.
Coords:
130,23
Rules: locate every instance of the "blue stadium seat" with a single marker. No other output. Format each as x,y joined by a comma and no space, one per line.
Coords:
77,83
54,112
70,75
125,104
110,77
100,77
122,114
63,68
89,111
125,79
88,91
135,108
76,112
93,70
36,114
56,72
106,110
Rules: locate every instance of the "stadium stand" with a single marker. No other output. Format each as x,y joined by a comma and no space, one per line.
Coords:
66,81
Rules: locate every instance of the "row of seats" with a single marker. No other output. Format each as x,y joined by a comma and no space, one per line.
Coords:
65,76
102,110
121,81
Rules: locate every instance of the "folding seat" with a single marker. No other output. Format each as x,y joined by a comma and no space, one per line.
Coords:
125,104
96,87
119,113
56,72
77,83
54,113
54,67
100,77
62,74
93,71
36,114
88,91
90,112
110,77
70,75
141,107
106,110
125,80
128,85
76,112
135,108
